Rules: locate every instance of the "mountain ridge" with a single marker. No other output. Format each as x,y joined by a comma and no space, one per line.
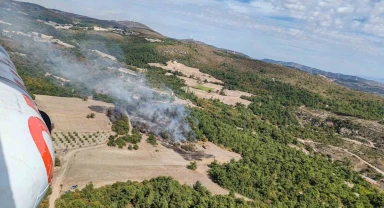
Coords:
350,81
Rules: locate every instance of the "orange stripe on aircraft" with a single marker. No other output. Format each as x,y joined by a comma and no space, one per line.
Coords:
37,127
30,103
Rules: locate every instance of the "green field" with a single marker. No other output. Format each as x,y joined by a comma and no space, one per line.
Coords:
204,88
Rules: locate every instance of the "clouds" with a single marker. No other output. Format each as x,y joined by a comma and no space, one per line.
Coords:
334,30
336,14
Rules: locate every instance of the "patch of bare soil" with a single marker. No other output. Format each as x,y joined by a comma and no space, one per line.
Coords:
229,100
70,114
105,165
194,78
188,71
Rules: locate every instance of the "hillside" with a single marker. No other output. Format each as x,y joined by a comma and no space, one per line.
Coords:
352,82
304,141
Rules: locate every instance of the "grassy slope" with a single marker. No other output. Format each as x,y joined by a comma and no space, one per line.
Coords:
203,56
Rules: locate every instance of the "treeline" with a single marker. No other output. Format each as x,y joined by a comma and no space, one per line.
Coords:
138,52
37,83
157,192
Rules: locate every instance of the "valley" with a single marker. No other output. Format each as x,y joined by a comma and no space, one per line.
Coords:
261,135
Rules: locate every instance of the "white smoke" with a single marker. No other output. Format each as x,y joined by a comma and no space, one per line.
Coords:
151,107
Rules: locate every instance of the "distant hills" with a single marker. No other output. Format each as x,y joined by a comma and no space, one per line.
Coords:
373,78
366,84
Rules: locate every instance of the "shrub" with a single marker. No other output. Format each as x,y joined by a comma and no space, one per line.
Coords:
192,166
57,162
121,126
152,140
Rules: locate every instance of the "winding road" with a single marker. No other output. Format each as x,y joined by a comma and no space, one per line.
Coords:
345,150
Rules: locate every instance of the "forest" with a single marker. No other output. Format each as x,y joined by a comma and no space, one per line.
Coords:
274,173
157,192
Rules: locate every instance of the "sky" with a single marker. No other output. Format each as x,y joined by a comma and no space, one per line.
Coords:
344,36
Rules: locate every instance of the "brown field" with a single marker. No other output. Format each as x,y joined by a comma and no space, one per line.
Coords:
188,71
231,97
69,114
193,77
229,100
105,165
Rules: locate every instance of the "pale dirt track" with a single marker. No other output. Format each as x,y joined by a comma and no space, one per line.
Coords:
60,174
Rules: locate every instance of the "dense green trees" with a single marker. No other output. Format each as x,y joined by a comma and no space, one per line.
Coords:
121,126
273,172
139,53
158,192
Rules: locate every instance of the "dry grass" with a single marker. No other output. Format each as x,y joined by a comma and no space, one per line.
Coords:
105,165
201,85
188,71
69,114
229,100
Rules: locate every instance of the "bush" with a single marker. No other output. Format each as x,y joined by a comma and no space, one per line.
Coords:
135,147
130,147
133,139
92,115
121,126
57,162
192,166
120,142
152,140
188,147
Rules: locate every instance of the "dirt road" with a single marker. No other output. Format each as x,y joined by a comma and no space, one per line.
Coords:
348,152
60,174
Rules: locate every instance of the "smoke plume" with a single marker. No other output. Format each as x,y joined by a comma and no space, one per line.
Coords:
153,108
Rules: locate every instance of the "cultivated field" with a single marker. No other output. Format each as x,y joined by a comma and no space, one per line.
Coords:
71,140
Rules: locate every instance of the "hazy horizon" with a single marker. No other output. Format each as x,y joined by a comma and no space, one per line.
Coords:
342,36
